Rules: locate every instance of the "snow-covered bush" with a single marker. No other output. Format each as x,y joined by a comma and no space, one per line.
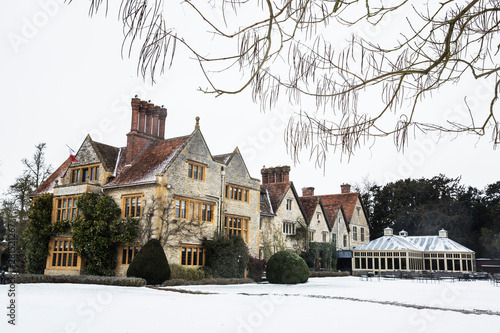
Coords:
286,268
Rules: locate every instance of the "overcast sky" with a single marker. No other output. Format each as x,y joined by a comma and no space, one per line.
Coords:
63,77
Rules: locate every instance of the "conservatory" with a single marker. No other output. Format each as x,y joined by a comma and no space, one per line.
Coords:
413,253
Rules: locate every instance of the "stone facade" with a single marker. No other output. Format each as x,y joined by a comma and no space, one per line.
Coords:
187,193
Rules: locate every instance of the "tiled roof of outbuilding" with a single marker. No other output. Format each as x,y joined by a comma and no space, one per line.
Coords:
150,162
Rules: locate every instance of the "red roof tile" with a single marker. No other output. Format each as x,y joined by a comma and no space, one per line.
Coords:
276,192
48,185
150,162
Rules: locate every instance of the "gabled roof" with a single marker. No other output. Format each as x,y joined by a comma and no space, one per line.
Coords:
309,203
48,185
265,205
152,160
107,154
223,158
277,192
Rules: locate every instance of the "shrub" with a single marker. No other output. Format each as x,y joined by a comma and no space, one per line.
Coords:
150,263
37,234
286,268
256,268
80,279
226,256
186,273
321,255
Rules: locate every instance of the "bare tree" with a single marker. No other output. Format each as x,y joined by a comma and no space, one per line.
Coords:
158,221
36,168
288,49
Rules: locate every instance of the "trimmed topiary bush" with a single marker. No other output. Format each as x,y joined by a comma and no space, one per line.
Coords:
150,263
286,268
187,273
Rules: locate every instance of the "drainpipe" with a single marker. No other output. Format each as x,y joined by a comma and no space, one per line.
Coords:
221,197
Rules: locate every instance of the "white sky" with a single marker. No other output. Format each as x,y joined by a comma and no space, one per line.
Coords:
62,77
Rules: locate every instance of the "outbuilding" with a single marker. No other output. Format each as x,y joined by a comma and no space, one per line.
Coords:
413,253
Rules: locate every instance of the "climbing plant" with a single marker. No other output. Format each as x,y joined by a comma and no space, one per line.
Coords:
98,231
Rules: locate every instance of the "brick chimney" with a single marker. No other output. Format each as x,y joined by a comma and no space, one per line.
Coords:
345,188
275,175
148,124
308,191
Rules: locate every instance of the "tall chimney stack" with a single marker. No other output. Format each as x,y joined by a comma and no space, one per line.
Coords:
147,124
308,191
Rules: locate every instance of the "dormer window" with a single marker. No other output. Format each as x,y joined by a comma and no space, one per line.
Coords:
84,174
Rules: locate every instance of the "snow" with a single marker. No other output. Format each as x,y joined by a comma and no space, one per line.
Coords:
321,305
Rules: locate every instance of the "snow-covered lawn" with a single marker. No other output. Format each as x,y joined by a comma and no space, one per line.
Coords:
344,304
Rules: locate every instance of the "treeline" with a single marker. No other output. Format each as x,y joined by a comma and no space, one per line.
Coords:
424,206
15,204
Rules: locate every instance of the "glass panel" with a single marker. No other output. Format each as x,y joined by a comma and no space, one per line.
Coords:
138,207
189,257
195,256
124,255
183,207
195,172
203,212
54,258
201,173
55,245
96,173
190,171
127,207
70,259
85,174
59,257
201,257
75,260
209,213
177,208
183,256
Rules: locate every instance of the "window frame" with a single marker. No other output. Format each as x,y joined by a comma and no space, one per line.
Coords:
362,234
200,260
65,209
186,209
242,228
200,171
138,203
354,233
76,174
237,193
62,254
129,255
289,204
288,228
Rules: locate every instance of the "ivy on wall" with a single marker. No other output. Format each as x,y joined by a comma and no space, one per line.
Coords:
98,231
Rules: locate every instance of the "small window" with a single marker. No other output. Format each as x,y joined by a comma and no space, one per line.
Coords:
192,255
84,174
196,171
288,204
324,235
345,240
289,228
238,193
354,233
63,253
132,205
128,253
362,234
